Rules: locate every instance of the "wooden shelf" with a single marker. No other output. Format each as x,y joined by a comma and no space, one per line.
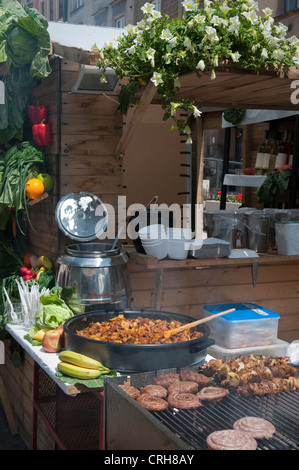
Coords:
269,258
32,202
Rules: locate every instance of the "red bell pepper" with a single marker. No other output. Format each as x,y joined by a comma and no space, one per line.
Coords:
41,134
37,113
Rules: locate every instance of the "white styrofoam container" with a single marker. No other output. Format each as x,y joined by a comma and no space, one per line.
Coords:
249,325
277,349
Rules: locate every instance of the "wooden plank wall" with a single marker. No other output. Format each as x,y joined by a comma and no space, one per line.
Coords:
186,290
43,240
85,129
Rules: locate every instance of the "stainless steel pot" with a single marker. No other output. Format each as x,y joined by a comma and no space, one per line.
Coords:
93,274
136,357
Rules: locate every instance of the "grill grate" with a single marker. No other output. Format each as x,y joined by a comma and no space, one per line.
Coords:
193,426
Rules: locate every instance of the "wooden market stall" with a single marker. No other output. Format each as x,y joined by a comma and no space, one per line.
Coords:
92,144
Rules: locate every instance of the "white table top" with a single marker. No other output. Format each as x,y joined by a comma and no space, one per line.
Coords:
252,181
48,361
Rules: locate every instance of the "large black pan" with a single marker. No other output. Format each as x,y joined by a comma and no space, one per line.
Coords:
136,357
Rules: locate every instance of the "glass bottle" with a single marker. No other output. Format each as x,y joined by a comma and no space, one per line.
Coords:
273,142
259,158
266,155
282,155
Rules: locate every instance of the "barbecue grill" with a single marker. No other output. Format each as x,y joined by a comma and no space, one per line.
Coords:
173,429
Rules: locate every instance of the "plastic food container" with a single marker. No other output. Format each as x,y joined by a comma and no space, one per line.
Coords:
287,238
249,325
277,349
210,248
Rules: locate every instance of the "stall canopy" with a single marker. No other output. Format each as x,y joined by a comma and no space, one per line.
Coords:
75,41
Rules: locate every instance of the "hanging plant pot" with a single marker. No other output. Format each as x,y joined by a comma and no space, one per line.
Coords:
41,134
37,113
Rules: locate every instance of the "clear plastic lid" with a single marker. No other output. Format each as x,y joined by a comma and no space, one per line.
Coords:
81,216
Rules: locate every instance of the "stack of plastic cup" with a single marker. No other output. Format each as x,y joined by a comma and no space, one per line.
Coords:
154,240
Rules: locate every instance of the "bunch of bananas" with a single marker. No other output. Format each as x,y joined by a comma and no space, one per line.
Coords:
80,366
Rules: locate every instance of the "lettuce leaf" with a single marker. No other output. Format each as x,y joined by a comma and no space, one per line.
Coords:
52,316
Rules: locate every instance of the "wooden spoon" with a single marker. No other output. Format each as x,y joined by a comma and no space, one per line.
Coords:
169,333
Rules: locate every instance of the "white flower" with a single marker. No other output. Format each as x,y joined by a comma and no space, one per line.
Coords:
132,50
173,41
217,21
235,24
264,53
278,54
109,44
294,41
281,29
189,140
190,5
196,112
166,35
157,78
267,12
209,12
167,58
151,55
156,14
177,83
173,108
215,61
251,5
131,29
235,56
199,19
211,33
187,130
201,65
148,8
251,16
188,44
213,75
224,9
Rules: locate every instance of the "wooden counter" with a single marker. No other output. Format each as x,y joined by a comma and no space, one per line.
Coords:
185,286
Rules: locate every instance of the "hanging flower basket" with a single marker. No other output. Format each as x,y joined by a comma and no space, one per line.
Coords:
161,50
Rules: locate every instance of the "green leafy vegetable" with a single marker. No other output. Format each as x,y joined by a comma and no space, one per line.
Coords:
47,279
54,313
234,116
275,183
25,47
15,169
90,383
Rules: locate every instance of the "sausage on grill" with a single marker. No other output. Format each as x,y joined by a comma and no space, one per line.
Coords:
258,427
183,400
130,390
155,390
166,379
231,439
183,386
212,393
201,379
152,403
